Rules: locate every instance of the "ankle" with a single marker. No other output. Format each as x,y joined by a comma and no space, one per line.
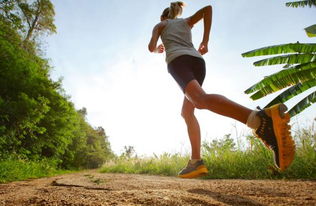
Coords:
193,161
253,120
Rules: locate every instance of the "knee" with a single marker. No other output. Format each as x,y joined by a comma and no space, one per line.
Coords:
187,114
200,102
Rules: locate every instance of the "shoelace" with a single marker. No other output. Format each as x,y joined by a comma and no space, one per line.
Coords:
262,126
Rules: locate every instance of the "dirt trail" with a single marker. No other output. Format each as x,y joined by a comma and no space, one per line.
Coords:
93,188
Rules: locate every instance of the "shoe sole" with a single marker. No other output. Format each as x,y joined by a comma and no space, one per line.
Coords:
281,129
199,172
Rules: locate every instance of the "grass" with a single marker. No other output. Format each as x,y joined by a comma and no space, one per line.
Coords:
224,160
165,164
13,169
258,164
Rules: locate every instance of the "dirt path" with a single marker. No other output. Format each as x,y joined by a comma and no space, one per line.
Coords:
92,188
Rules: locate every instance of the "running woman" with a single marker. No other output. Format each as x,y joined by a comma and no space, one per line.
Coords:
187,67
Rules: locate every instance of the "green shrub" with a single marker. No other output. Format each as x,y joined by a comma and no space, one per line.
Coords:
224,160
165,164
14,169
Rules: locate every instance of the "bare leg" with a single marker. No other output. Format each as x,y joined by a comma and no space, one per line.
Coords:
215,103
275,135
193,128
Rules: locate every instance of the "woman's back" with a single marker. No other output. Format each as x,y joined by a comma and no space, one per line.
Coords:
177,39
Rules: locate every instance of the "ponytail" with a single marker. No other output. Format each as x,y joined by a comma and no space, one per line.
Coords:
174,10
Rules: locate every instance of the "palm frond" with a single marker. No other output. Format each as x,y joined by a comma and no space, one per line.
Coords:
303,104
284,78
287,59
311,31
292,92
285,82
282,49
305,3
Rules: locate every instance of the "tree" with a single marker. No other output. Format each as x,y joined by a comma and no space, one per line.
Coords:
31,17
37,119
23,105
221,146
129,152
90,148
298,73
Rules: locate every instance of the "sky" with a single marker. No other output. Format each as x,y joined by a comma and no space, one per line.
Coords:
100,52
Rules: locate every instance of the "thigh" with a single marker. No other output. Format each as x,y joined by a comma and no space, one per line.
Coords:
181,70
199,69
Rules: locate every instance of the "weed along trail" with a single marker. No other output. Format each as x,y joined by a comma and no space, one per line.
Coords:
93,188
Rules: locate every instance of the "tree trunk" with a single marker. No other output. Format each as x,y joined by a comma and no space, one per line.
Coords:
33,25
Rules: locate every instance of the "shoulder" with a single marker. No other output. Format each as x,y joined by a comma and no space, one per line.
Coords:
160,26
197,16
187,21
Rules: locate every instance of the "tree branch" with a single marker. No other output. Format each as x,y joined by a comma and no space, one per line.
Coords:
35,21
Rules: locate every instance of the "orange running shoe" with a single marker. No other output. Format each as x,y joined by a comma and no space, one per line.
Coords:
195,170
274,131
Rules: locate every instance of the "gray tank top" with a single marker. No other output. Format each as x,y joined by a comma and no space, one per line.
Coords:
177,39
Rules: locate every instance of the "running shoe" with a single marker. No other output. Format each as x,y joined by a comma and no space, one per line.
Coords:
193,170
274,131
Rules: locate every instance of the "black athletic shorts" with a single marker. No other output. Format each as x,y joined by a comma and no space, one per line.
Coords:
186,68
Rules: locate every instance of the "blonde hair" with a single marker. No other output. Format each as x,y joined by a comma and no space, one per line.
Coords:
174,10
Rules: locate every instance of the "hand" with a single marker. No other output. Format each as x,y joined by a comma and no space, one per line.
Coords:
160,48
203,49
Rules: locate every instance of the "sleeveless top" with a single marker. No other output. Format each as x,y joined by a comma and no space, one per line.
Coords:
177,39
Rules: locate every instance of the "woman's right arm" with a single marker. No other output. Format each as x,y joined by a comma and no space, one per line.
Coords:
206,14
152,46
154,39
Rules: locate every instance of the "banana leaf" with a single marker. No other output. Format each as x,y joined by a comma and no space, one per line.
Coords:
284,78
276,86
304,66
303,104
282,49
311,31
305,3
292,92
287,59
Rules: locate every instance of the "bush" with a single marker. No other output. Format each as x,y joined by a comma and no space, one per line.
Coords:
224,160
165,164
14,169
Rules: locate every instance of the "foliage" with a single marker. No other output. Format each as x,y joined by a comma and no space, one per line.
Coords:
14,169
30,17
298,74
90,149
305,161
37,118
311,31
304,3
165,164
26,95
129,151
220,146
224,160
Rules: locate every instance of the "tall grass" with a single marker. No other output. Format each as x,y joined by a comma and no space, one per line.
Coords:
224,160
14,169
304,164
165,164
